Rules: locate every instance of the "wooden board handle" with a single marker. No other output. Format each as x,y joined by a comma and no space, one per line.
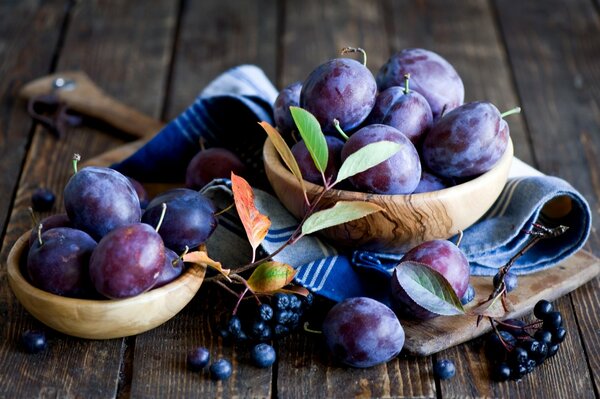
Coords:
82,95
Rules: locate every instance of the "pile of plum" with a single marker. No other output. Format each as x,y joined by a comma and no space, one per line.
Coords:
415,100
107,246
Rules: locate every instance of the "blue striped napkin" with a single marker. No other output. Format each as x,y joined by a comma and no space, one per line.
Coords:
226,114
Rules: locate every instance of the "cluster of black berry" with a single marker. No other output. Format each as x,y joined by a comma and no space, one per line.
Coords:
517,348
267,321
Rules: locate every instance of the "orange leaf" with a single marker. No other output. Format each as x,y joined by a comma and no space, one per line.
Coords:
255,223
201,258
284,152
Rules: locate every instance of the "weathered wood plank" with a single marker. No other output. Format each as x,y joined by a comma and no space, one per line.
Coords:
130,69
22,24
213,36
315,32
554,49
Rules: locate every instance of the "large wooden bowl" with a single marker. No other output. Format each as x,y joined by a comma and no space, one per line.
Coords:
101,319
408,219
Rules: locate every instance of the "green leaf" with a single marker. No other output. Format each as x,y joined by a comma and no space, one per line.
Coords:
367,157
341,212
270,276
428,288
313,137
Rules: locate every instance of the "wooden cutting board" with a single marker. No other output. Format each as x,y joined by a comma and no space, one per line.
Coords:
422,338
427,337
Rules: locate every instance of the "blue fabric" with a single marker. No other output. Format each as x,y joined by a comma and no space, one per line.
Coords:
226,114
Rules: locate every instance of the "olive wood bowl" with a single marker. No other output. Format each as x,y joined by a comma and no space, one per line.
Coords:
407,220
101,318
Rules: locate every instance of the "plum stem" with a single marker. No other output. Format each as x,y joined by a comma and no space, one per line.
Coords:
515,110
460,237
34,218
347,50
222,211
39,233
162,216
336,124
180,257
406,79
310,330
76,159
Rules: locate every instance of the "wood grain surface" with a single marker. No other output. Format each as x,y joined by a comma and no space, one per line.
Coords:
156,58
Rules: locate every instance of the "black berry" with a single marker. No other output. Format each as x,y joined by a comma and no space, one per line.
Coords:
280,331
552,321
501,372
559,335
263,355
497,348
282,301
552,349
42,199
265,312
510,281
33,341
444,369
542,308
220,370
519,355
198,358
543,336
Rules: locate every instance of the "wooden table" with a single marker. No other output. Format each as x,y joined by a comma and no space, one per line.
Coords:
156,56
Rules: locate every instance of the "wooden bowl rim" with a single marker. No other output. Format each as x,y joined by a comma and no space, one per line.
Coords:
273,161
194,272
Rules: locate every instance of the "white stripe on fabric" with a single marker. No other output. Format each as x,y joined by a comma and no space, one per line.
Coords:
326,274
316,274
503,201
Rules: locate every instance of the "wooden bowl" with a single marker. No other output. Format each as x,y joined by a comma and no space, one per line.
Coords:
408,219
103,318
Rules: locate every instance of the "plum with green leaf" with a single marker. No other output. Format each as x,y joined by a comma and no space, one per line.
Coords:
288,97
399,174
307,165
440,255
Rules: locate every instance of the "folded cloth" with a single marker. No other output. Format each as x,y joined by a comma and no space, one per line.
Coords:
226,113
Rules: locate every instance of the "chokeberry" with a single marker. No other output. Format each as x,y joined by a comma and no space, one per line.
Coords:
282,317
530,365
559,335
198,358
42,199
263,355
282,301
518,371
444,369
234,326
497,348
468,296
308,300
542,308
519,355
220,370
543,336
552,321
280,331
501,372
295,303
33,341
552,349
265,312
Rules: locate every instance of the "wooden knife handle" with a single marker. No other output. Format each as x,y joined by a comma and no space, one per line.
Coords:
82,95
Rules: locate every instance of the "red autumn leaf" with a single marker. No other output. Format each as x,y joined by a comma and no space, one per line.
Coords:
255,223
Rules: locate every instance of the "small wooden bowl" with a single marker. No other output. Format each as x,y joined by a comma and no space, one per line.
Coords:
103,318
408,219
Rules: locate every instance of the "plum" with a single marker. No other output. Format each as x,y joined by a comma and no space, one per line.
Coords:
407,111
429,182
288,97
400,174
59,264
467,141
362,332
442,256
189,219
50,222
98,200
127,261
430,75
307,166
140,191
172,268
212,163
342,89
